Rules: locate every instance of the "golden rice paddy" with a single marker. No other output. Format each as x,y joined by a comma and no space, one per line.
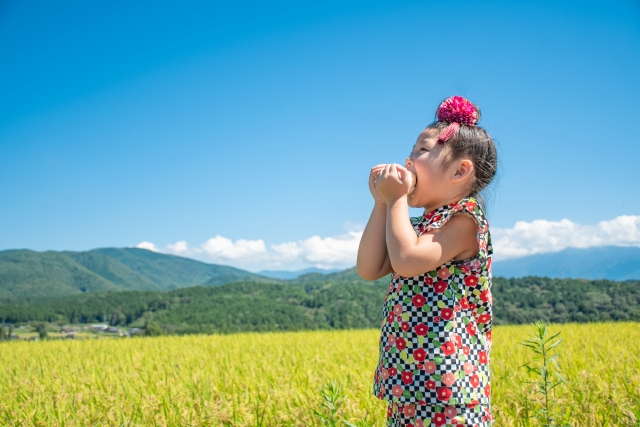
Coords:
273,379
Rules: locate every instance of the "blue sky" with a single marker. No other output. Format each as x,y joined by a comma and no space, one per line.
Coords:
237,131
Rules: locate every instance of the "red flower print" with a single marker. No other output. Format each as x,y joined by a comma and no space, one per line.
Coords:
437,218
473,404
464,303
387,347
444,394
456,308
482,357
401,344
430,215
418,300
391,339
428,281
431,385
484,295
439,420
487,390
421,329
471,280
430,367
419,422
484,318
444,273
448,379
472,307
471,329
465,350
405,326
397,390
470,205
389,411
392,372
450,411
409,410
385,373
440,286
474,380
407,377
446,313
489,335
455,338
390,287
468,368
448,348
397,309
390,317
436,319
488,263
419,354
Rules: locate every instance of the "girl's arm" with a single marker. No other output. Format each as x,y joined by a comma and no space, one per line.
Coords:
373,259
411,255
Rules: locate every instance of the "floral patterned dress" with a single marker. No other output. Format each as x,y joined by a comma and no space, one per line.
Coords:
436,335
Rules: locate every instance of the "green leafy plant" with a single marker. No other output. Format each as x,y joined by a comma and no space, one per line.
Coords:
546,371
332,400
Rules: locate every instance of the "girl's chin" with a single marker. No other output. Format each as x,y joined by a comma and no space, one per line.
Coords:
412,203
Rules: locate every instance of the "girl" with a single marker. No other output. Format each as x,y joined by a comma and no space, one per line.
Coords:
436,329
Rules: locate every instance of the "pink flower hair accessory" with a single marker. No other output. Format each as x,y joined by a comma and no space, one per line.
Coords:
455,110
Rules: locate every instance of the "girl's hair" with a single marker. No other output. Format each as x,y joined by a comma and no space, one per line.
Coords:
469,141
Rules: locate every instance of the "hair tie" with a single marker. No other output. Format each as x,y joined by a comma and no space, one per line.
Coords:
455,110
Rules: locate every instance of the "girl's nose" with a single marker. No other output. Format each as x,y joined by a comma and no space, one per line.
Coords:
408,162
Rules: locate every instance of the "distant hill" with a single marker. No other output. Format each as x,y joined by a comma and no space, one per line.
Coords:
321,303
28,275
284,274
606,262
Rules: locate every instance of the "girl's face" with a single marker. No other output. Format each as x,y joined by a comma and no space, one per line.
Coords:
428,162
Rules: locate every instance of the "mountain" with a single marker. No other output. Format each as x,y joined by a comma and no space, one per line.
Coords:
283,274
28,275
605,262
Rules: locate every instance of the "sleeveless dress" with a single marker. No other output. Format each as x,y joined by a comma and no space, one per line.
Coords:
436,335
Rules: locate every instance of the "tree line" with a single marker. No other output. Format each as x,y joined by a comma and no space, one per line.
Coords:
320,303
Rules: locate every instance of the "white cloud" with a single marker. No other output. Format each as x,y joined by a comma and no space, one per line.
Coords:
148,246
528,238
525,238
221,248
329,252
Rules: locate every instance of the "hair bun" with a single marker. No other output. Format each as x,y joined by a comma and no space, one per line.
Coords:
457,109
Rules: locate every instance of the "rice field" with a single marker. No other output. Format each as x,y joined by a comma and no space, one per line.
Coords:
273,379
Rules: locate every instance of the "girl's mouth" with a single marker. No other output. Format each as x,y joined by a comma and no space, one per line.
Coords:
413,178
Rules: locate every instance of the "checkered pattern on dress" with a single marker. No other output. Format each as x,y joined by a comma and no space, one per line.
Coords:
410,414
436,330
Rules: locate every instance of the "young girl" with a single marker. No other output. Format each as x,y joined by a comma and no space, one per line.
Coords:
436,328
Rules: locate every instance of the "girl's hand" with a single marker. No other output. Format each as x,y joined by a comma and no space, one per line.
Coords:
393,182
375,171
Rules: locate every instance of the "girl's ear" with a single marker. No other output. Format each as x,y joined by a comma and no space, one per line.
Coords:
464,170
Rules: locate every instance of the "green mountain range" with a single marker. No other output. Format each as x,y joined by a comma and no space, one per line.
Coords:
27,275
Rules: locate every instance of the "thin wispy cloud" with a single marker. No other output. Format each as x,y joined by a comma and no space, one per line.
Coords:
525,238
